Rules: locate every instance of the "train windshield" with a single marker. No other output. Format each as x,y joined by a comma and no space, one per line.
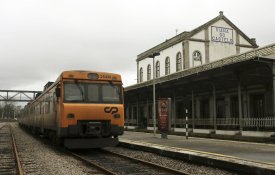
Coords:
92,93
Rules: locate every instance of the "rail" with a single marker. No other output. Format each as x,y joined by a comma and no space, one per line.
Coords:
10,162
88,162
148,163
19,166
111,171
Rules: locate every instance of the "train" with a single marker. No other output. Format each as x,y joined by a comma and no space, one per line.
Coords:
81,109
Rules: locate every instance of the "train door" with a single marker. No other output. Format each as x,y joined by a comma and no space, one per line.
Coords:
57,108
42,116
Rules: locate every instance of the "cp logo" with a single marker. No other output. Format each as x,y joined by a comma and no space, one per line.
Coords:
111,110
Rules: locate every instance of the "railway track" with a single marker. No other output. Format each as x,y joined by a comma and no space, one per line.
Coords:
115,163
9,160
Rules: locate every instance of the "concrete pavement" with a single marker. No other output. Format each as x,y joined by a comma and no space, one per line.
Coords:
247,156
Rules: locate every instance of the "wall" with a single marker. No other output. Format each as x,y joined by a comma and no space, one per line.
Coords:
170,52
223,48
223,40
196,46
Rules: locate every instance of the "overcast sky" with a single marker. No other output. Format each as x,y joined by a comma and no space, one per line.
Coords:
41,38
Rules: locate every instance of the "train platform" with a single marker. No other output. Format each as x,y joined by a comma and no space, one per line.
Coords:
248,157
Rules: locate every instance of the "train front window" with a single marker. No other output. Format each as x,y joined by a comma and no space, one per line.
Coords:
74,92
110,93
92,92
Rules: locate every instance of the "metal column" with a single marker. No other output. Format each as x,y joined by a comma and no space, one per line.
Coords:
273,83
175,111
240,105
214,108
137,111
193,111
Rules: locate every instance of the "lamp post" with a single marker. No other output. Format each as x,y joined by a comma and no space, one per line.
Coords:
153,55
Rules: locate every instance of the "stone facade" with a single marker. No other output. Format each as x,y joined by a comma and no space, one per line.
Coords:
223,80
212,41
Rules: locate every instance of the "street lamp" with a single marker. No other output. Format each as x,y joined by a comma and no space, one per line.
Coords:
153,55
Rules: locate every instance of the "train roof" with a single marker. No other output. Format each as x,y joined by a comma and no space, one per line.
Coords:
80,74
89,75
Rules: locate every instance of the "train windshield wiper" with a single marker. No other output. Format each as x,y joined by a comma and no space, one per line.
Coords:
80,89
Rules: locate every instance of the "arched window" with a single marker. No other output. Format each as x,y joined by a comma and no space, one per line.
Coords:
197,58
141,75
178,66
149,72
167,66
157,69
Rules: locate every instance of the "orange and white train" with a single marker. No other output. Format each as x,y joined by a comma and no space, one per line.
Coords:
81,109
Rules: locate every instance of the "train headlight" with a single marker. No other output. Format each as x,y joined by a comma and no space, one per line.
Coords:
117,115
70,116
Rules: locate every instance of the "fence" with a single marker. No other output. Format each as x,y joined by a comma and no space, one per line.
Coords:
223,123
267,122
228,121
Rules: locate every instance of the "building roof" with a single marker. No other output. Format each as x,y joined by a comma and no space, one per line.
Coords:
264,52
187,35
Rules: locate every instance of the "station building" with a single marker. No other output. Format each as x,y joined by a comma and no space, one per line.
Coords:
217,73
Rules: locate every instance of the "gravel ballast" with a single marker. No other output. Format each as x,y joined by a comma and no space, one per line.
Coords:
171,163
38,157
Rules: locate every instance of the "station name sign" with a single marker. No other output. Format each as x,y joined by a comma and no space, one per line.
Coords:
221,34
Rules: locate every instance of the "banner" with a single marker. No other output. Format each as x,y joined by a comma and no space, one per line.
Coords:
164,114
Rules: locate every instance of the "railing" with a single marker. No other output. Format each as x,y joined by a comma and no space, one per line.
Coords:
267,122
18,95
228,121
130,122
204,122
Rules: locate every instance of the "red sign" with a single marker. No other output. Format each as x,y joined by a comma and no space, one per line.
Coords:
163,114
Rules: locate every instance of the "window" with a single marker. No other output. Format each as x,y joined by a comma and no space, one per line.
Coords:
204,108
74,92
257,103
150,111
47,105
234,106
178,66
167,66
149,72
110,93
134,112
220,108
92,93
141,75
197,58
180,110
157,69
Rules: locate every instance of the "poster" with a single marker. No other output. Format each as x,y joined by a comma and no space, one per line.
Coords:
163,114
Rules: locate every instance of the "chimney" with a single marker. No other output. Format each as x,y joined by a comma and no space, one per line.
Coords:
253,40
221,13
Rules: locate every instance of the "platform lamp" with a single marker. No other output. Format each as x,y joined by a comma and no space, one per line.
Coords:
153,55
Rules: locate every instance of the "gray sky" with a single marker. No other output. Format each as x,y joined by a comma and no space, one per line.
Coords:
41,38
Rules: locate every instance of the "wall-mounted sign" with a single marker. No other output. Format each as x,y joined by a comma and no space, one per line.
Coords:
164,109
221,34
